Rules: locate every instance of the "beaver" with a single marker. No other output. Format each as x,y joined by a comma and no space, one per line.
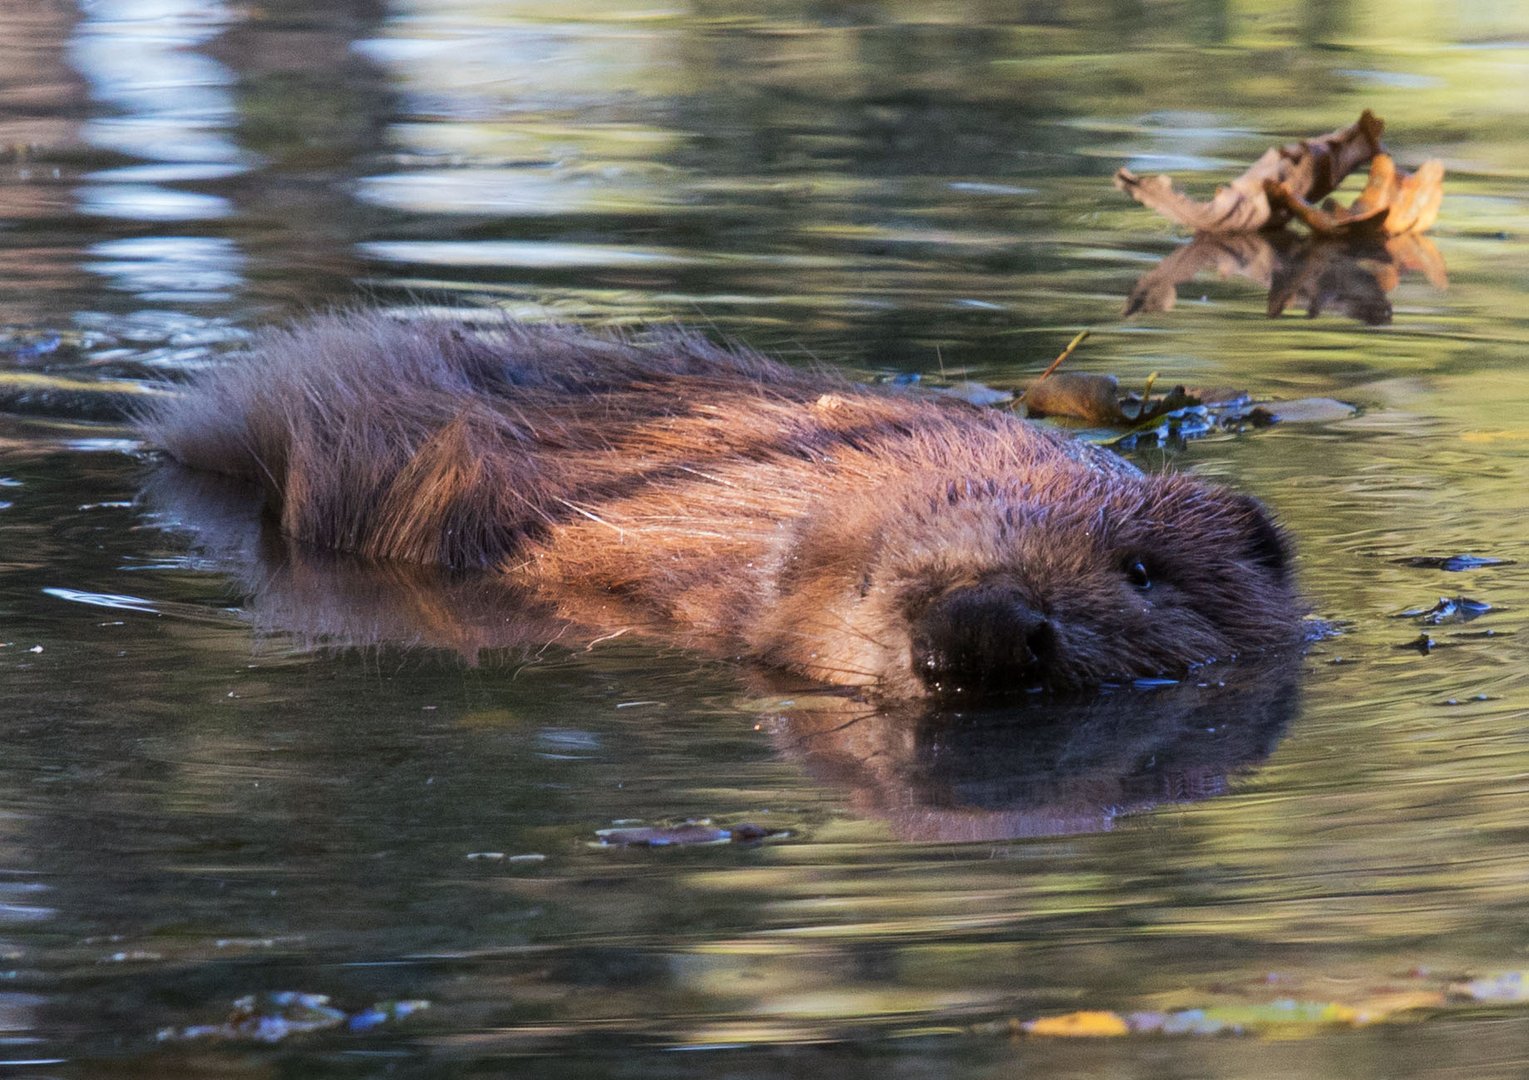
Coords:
898,542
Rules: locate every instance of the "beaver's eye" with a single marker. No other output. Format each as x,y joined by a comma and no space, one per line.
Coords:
1137,574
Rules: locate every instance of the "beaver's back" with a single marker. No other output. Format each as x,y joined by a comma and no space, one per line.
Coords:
434,441
422,440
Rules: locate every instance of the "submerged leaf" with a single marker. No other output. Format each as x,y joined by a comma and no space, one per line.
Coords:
1314,410
689,832
1451,562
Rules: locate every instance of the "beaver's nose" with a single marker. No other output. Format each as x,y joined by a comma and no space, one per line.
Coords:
982,641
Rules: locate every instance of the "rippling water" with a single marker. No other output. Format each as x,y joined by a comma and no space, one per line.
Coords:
199,800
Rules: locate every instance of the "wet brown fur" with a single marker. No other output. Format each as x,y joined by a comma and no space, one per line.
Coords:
794,517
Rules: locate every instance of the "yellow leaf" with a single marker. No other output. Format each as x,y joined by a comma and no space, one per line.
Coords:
1095,1024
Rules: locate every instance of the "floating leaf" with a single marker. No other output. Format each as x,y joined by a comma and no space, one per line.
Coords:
1392,203
1094,399
1078,1025
1310,169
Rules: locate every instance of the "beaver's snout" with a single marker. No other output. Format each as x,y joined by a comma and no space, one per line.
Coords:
982,641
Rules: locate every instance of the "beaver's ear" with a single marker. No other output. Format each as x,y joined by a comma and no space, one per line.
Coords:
1265,544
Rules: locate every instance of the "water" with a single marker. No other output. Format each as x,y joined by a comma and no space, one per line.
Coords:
199,801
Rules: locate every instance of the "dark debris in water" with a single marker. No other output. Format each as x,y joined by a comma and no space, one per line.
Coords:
685,833
1451,562
1456,609
24,346
276,1015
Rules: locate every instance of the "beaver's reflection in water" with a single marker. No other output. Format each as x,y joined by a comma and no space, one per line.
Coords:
1047,767
1041,767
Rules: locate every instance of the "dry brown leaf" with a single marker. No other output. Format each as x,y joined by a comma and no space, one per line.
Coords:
1391,204
1312,168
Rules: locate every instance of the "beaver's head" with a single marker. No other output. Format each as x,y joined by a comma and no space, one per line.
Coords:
1067,580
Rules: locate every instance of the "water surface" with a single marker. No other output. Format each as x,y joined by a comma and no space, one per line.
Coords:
196,803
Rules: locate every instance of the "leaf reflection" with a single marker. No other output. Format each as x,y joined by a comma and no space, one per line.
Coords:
1352,276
